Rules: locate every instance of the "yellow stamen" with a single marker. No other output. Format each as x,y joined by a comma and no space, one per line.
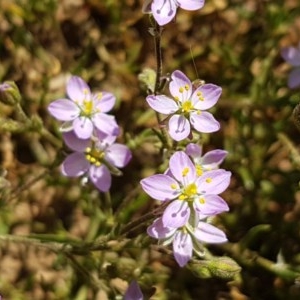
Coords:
191,189
188,192
87,107
187,106
181,89
208,180
199,170
173,186
201,200
186,87
94,156
99,96
185,171
200,96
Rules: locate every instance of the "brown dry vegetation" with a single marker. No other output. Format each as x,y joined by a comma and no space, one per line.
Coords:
235,44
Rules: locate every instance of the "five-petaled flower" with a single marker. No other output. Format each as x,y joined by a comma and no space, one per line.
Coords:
292,56
186,192
85,111
207,162
187,238
96,158
164,11
188,106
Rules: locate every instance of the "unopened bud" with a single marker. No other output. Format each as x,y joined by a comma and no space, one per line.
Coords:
9,93
224,267
221,267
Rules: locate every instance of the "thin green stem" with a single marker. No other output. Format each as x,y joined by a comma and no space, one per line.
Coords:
157,30
251,259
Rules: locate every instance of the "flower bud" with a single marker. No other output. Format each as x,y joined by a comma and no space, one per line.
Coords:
221,267
9,93
224,267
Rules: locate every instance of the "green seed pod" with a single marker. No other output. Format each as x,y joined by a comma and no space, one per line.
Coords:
224,267
220,267
9,93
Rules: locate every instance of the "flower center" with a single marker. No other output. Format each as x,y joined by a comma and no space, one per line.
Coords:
94,156
187,106
188,192
87,107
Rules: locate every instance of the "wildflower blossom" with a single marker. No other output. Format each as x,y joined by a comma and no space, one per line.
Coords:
186,191
96,158
209,161
85,111
165,10
188,106
187,238
133,292
292,56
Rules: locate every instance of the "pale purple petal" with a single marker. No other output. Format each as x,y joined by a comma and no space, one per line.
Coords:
213,158
208,233
105,140
74,142
204,122
294,79
179,127
133,292
193,150
176,214
210,205
163,11
75,165
118,155
106,124
104,101
180,86
78,90
162,104
182,168
158,231
190,4
64,110
101,177
161,187
182,248
213,182
206,96
83,127
291,55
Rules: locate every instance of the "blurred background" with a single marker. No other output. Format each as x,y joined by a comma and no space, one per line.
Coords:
232,43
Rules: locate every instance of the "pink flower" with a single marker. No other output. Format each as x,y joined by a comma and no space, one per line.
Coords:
85,111
292,56
187,238
187,107
187,192
95,158
207,162
165,10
